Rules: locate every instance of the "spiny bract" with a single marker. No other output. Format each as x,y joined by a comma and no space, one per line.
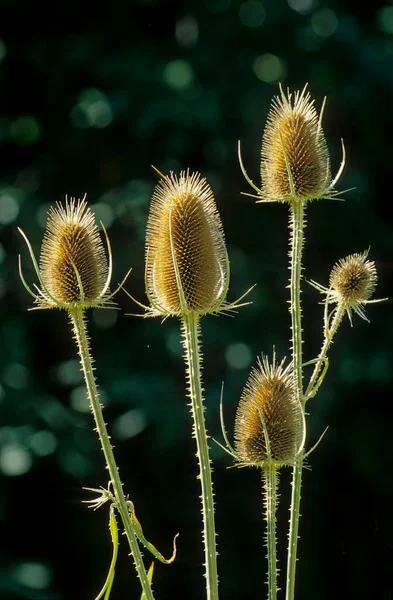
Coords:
269,394
184,232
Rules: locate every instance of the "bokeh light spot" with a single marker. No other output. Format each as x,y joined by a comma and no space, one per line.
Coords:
16,376
129,424
384,19
9,208
324,22
33,575
252,13
79,400
301,6
43,443
178,74
238,355
187,32
69,373
269,68
104,319
25,130
14,460
2,253
103,212
92,110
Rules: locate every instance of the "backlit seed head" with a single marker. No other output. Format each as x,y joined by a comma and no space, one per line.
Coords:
294,147
269,396
185,247
71,246
354,279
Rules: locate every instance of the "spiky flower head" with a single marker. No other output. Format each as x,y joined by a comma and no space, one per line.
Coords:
352,282
186,259
73,270
295,164
295,158
269,425
354,278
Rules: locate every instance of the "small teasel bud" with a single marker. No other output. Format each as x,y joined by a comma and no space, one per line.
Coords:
354,278
269,398
295,159
186,259
73,265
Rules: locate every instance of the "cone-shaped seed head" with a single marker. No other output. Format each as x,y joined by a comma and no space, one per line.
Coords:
72,243
269,393
293,139
184,229
354,278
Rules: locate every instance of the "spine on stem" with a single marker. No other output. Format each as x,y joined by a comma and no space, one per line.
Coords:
297,224
79,329
270,486
193,358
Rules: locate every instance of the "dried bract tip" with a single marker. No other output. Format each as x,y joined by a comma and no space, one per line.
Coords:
186,259
295,159
72,249
269,426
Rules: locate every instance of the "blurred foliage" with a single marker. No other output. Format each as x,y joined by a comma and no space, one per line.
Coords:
91,96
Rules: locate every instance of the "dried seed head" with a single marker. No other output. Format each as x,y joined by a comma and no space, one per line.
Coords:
354,279
185,245
72,247
269,394
294,147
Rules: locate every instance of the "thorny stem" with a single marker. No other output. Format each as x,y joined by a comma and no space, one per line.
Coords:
329,335
270,485
190,329
79,328
297,225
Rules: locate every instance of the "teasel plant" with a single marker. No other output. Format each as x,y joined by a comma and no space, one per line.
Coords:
187,276
295,169
74,275
269,434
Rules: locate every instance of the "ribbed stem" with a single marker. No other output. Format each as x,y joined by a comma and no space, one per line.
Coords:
193,358
270,486
297,225
79,328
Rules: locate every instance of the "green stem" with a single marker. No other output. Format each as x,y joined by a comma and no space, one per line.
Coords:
270,485
329,335
79,328
297,225
193,357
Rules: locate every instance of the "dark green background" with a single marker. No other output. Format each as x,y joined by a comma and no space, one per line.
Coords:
92,95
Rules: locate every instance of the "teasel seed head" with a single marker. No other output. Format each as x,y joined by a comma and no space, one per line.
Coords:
269,425
186,259
295,165
352,282
294,147
73,270
354,278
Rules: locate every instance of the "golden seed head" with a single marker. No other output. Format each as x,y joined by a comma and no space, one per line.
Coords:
184,230
294,141
269,394
72,245
354,279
